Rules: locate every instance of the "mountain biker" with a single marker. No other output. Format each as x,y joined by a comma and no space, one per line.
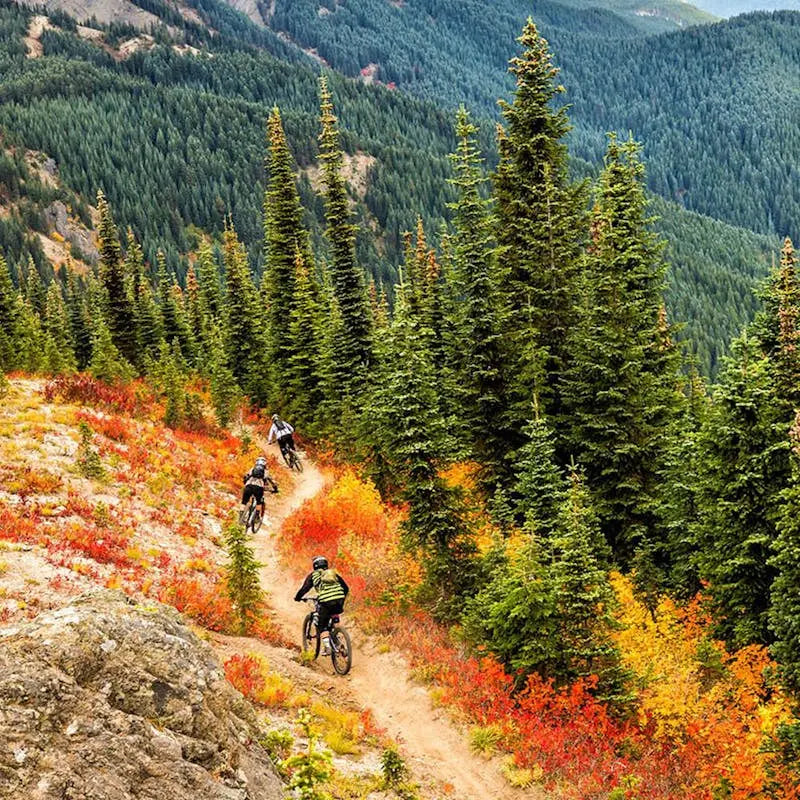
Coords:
283,432
255,482
331,592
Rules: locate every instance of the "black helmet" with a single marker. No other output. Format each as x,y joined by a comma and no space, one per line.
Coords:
319,562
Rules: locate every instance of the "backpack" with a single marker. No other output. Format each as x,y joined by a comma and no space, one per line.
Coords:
329,577
258,471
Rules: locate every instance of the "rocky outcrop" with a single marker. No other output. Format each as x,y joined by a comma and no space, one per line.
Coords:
57,219
105,699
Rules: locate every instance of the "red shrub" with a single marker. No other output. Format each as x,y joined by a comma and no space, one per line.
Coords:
133,398
245,673
203,600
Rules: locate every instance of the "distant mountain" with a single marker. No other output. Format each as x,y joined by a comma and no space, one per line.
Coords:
730,8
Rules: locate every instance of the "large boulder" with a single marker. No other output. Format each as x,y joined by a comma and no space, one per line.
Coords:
107,699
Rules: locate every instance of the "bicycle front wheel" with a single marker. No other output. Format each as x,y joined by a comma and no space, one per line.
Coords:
341,652
310,636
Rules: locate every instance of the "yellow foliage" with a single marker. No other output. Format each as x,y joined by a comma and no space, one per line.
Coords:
341,730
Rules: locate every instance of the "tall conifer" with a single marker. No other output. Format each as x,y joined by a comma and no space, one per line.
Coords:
352,347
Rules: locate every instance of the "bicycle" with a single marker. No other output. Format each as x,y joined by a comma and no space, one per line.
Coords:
291,458
341,650
251,517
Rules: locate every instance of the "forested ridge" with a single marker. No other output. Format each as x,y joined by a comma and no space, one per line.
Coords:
527,405
175,142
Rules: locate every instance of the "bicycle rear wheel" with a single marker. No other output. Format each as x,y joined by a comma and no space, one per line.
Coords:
310,636
296,462
256,521
341,652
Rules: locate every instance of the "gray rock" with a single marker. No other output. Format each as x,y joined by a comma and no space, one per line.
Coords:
150,718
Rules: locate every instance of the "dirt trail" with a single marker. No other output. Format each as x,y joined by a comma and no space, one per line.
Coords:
38,25
436,749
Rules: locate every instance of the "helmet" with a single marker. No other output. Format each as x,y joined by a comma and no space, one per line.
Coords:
275,417
261,461
319,562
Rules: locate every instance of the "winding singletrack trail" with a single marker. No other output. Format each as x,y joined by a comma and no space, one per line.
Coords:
436,750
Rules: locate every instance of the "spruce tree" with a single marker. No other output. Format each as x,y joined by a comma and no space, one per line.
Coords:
59,349
224,391
243,335
284,237
481,370
745,466
117,304
540,486
621,389
784,614
242,578
410,434
80,320
303,379
107,363
540,230
352,347
582,595
9,319
208,280
35,291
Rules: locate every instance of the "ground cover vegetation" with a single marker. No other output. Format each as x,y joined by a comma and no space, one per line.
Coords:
539,474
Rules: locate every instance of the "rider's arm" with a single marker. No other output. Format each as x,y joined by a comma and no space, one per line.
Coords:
247,477
344,585
291,429
306,587
271,434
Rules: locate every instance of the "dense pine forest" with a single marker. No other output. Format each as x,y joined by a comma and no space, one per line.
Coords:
175,142
529,341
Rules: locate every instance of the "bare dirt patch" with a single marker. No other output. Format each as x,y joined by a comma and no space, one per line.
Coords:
355,170
39,24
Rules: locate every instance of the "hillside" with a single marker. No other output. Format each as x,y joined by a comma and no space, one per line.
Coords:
108,118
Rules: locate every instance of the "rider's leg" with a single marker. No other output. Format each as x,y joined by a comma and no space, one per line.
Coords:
324,622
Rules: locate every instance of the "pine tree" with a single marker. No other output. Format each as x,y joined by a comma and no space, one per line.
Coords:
208,280
243,334
540,229
621,389
59,352
35,291
242,576
540,486
745,466
284,237
9,319
107,363
409,434
149,326
479,322
80,320
224,391
583,596
352,346
513,614
303,378
118,306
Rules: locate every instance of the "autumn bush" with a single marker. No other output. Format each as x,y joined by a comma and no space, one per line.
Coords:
705,720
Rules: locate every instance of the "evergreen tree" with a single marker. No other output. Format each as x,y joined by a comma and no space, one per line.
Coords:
284,237
410,433
118,306
107,363
621,389
582,595
242,578
479,322
224,392
540,486
303,378
243,335
784,614
59,352
35,292
540,229
80,321
9,319
745,466
208,280
352,345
